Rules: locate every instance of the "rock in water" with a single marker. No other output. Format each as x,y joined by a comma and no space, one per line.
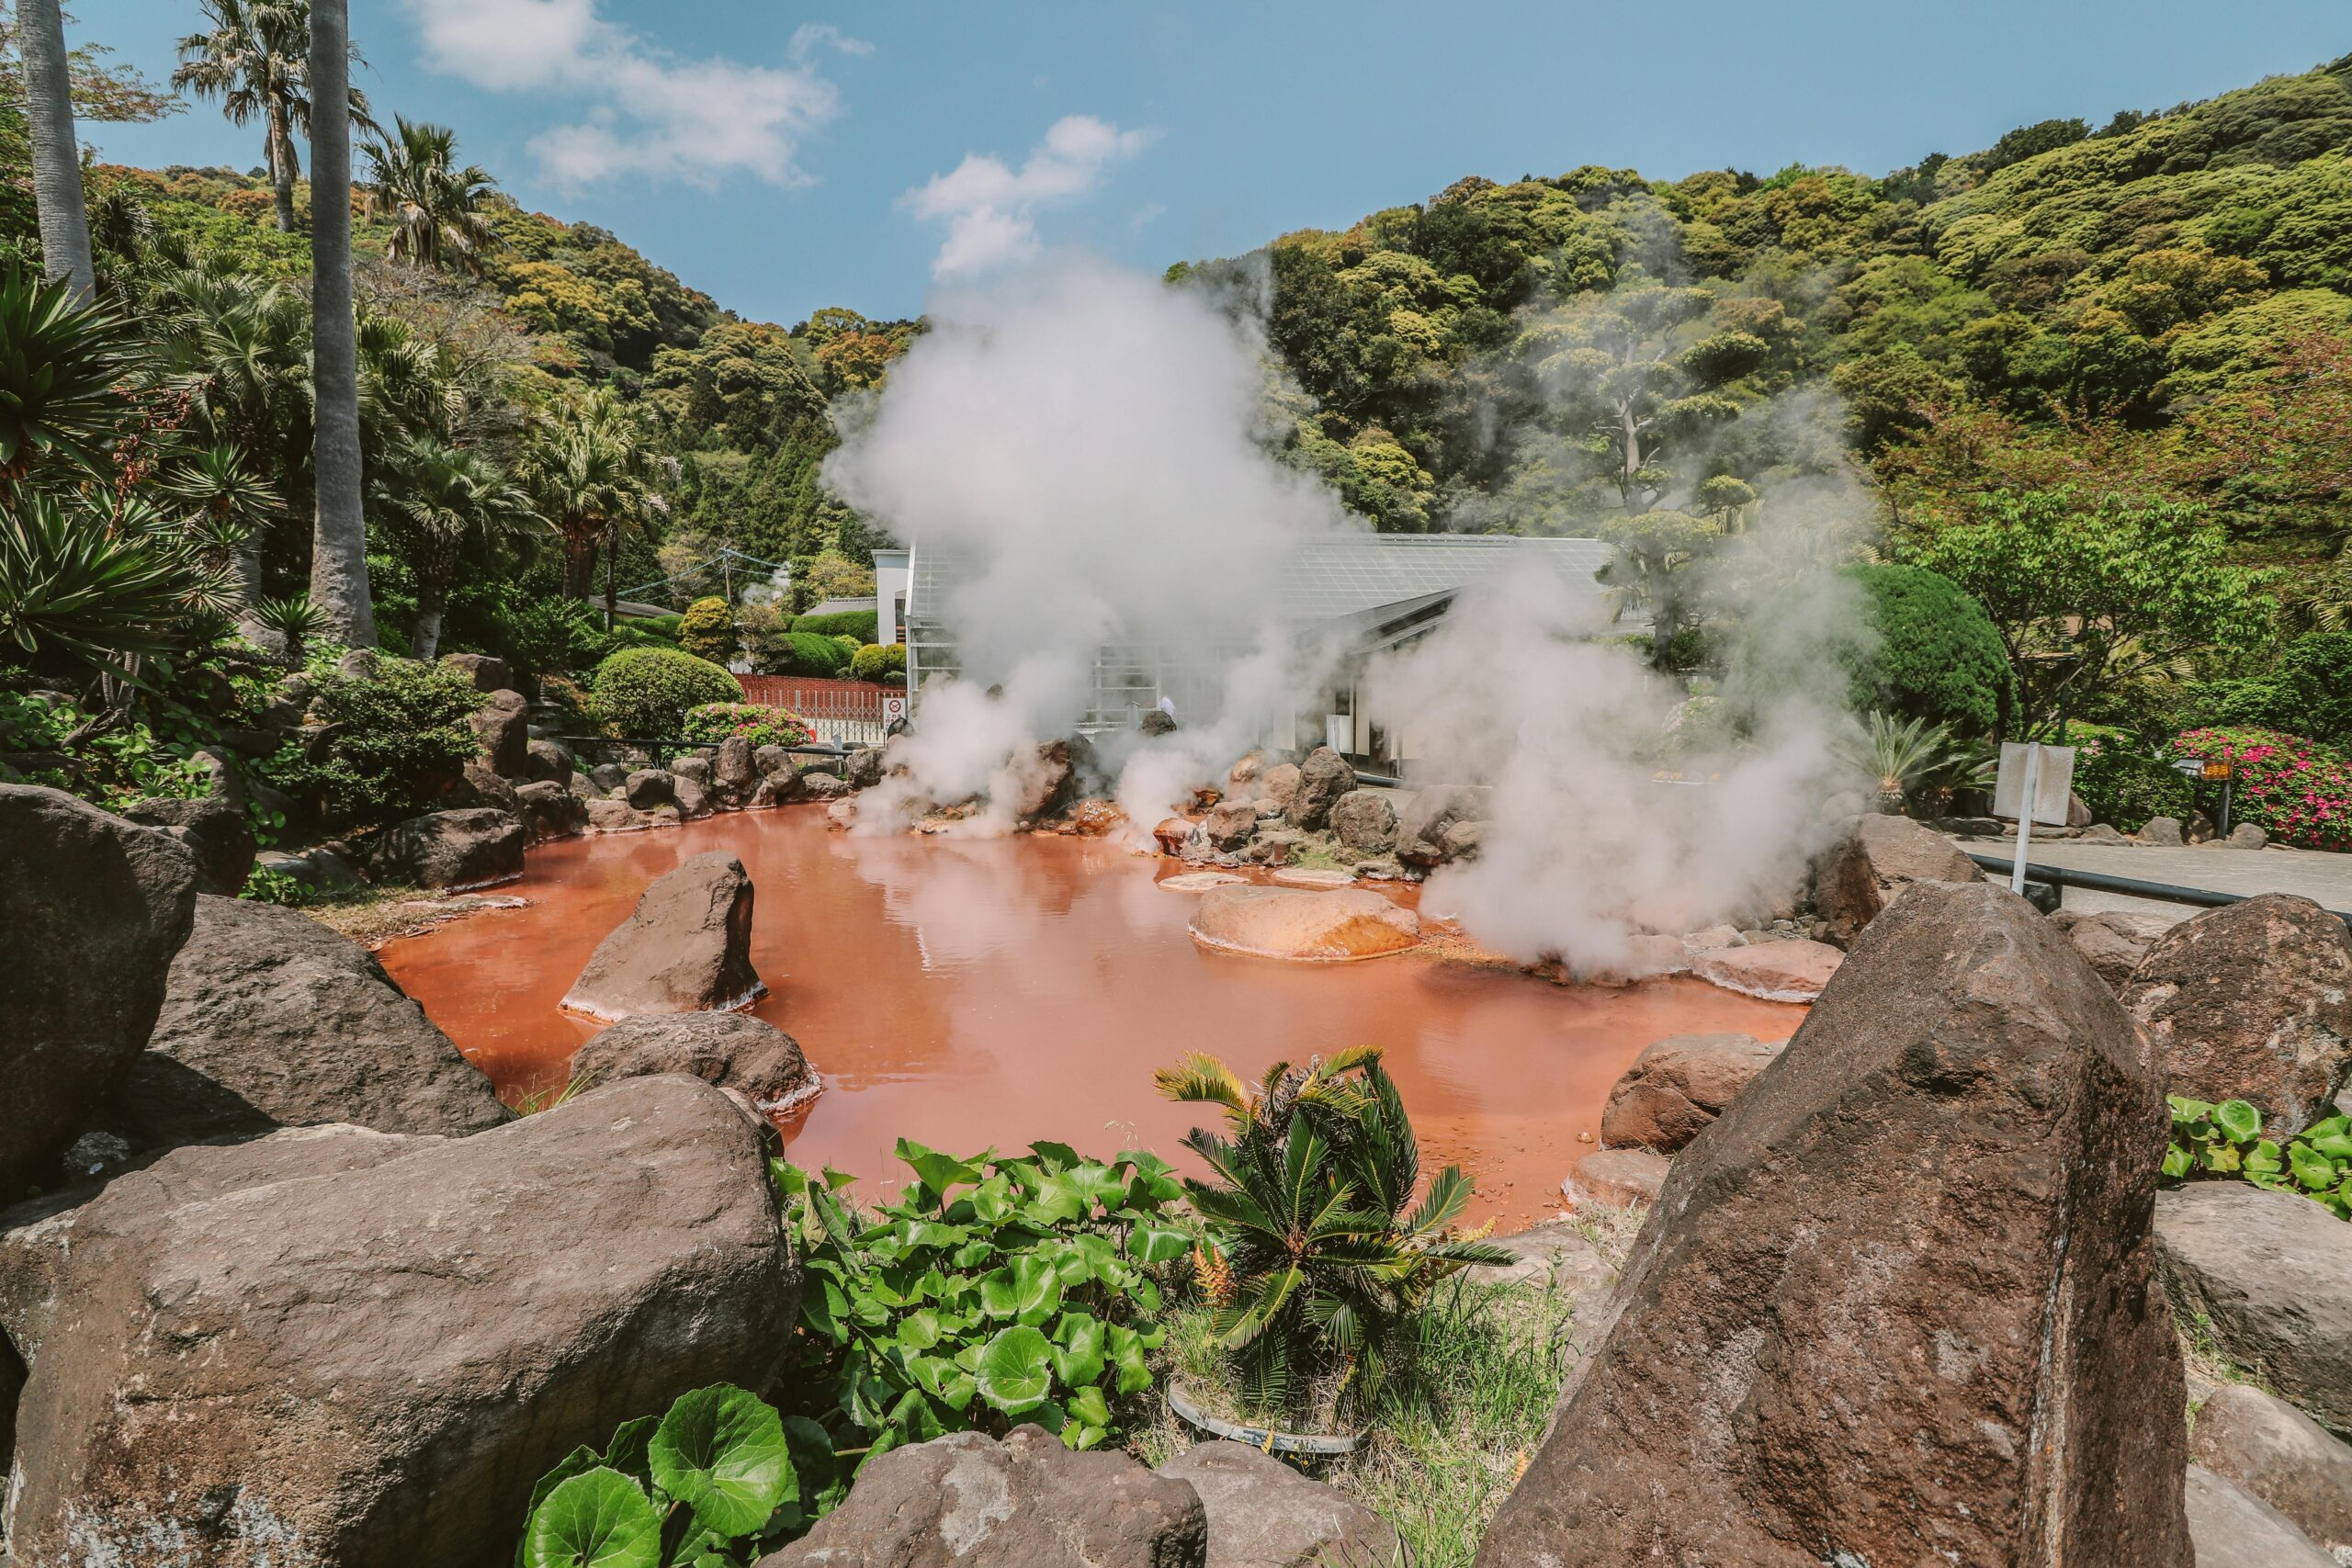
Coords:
551,761
731,1050
1281,922
1229,824
1363,820
271,1020
550,811
1898,1305
1860,874
337,1349
215,831
1677,1087
1263,1514
733,773
1028,1502
2271,1275
452,850
1322,779
1792,971
687,948
2280,1455
2252,1001
93,907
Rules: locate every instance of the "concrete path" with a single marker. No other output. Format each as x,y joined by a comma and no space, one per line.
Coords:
2317,875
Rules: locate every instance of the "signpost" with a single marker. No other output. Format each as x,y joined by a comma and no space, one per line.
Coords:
2035,785
894,709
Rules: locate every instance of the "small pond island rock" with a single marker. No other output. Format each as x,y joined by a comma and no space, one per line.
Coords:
686,948
2271,1275
1678,1085
451,849
1327,926
1790,971
730,1050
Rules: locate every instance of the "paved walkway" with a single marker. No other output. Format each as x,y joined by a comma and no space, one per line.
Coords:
2317,875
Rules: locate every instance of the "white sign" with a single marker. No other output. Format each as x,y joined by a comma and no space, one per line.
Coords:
893,710
2052,783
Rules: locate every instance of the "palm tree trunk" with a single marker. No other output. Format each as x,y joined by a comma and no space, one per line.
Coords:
427,639
57,161
612,563
282,165
339,547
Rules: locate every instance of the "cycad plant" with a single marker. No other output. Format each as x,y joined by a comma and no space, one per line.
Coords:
1321,1254
60,361
1909,758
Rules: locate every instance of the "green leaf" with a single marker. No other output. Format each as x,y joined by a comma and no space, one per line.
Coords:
2238,1121
1016,1370
1054,1157
720,1450
2177,1163
939,1171
599,1518
627,1451
579,1461
1089,1406
1127,1358
918,1331
1079,1349
992,1201
2313,1171
1027,1288
1148,1243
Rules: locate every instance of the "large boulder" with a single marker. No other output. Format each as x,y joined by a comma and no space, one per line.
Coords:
648,787
733,775
1898,1304
863,768
550,811
332,1346
1280,785
453,850
502,725
1678,1085
271,1020
215,831
1421,831
487,672
1281,922
93,909
1363,820
1263,1514
1228,824
686,948
2270,1273
2280,1455
730,1049
1861,872
2235,1528
1790,971
1322,779
2252,1001
2114,941
548,760
1028,1502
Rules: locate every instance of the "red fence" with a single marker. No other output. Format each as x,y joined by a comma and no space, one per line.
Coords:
846,711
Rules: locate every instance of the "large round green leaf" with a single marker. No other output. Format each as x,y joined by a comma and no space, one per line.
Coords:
599,1518
1016,1369
721,1452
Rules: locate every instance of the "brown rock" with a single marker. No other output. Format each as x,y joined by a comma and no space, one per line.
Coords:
2252,1001
1280,783
338,1347
1363,820
968,1501
2280,1455
1793,971
687,948
2160,831
1173,834
648,787
733,775
1619,1179
2114,941
1859,875
93,909
550,811
2235,1528
1263,1514
452,850
729,1050
548,760
1322,779
1228,827
486,672
1280,923
1677,1087
482,786
2268,1275
1897,1305
502,725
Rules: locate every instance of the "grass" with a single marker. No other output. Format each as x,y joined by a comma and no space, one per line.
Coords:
375,915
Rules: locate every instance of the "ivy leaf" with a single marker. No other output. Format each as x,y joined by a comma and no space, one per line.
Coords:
720,1450
1016,1370
599,1518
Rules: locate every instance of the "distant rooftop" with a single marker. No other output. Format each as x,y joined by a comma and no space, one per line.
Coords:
839,606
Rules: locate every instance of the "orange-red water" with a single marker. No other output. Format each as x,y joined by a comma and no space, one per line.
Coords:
966,993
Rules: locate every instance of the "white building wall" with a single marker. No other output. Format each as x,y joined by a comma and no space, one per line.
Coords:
891,578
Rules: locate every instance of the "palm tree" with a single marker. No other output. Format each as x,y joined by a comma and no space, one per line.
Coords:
339,540
435,499
595,470
57,160
436,208
255,58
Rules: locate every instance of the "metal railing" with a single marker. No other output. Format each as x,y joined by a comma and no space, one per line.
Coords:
664,746
2062,877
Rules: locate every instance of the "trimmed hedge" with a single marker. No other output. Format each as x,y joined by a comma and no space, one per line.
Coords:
859,624
885,663
809,653
708,629
1936,655
647,691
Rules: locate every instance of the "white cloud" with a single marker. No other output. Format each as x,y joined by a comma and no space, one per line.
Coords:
991,208
651,112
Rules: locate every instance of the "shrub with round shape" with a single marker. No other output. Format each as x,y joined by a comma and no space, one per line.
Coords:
647,691
708,629
2122,784
1936,656
762,726
808,653
882,662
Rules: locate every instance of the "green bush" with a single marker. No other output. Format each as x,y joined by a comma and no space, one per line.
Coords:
708,629
395,741
2121,783
859,624
1936,654
757,723
879,661
2308,692
647,691
551,636
807,653
2226,1140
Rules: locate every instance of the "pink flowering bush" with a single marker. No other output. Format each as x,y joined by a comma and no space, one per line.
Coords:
762,726
2296,790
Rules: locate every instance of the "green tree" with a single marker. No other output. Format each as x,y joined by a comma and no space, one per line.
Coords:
56,157
708,629
1930,652
254,57
438,499
596,472
435,208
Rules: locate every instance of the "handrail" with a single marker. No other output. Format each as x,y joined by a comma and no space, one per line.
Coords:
680,743
2099,882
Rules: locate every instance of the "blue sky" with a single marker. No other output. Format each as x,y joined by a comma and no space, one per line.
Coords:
785,157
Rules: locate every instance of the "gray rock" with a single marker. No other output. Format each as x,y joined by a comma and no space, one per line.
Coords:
2114,941
730,1050
779,788
548,760
481,785
502,725
686,947
2103,833
316,869
1861,872
271,1020
968,1501
648,787
1617,1178
693,767
450,850
692,796
1322,779
2271,1275
1263,1514
215,832
1363,820
818,784
2164,831
1676,1087
863,768
486,672
2235,1528
2280,1455
338,1347
1433,810
770,761
550,811
732,775
94,908
1461,839
2246,835
610,777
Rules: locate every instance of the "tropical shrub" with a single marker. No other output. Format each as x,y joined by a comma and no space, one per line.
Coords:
996,1290
647,691
712,1483
395,741
760,724
882,662
859,624
2226,1140
1914,764
708,629
1317,1255
2121,783
1931,652
552,635
2297,792
112,765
